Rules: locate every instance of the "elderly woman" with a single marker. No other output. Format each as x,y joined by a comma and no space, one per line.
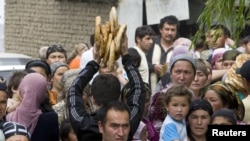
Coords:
57,71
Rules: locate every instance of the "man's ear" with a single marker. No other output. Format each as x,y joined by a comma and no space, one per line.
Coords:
100,127
138,39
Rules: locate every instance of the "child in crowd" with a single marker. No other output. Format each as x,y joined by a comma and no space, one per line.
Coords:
14,99
66,131
177,100
14,131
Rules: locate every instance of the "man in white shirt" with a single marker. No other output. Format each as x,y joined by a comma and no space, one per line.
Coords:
161,52
144,41
88,56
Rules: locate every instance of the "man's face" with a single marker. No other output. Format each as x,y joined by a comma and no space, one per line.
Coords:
56,57
145,43
215,39
182,73
3,103
168,32
117,126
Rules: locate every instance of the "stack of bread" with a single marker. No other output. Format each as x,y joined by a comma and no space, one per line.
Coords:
108,39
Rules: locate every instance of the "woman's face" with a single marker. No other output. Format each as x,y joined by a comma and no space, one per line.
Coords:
182,73
200,80
213,98
56,79
226,64
218,64
198,122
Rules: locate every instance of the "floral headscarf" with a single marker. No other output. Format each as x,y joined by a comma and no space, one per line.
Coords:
229,97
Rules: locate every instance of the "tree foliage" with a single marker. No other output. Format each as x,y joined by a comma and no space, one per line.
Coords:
234,14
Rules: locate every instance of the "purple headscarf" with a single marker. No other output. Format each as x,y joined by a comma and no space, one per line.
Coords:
33,92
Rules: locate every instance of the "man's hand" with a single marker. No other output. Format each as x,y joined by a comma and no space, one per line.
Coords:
157,68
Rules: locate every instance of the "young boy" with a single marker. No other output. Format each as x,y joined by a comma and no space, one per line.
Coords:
177,100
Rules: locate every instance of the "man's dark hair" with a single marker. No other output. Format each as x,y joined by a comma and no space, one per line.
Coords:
39,63
105,88
65,129
224,29
136,57
15,80
56,48
142,31
92,40
116,105
171,20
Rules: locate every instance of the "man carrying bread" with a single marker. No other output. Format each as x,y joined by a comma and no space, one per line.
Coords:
144,41
105,88
161,51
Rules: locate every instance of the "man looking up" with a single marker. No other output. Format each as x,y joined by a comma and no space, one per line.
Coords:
84,124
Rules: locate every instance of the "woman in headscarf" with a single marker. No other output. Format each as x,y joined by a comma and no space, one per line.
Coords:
201,77
216,62
33,92
222,95
198,119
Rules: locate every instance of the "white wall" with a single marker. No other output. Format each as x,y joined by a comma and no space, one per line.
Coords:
2,2
130,13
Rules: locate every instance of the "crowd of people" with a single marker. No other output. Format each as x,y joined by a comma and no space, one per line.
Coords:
164,88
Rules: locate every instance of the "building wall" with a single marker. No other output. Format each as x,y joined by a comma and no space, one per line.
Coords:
30,24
